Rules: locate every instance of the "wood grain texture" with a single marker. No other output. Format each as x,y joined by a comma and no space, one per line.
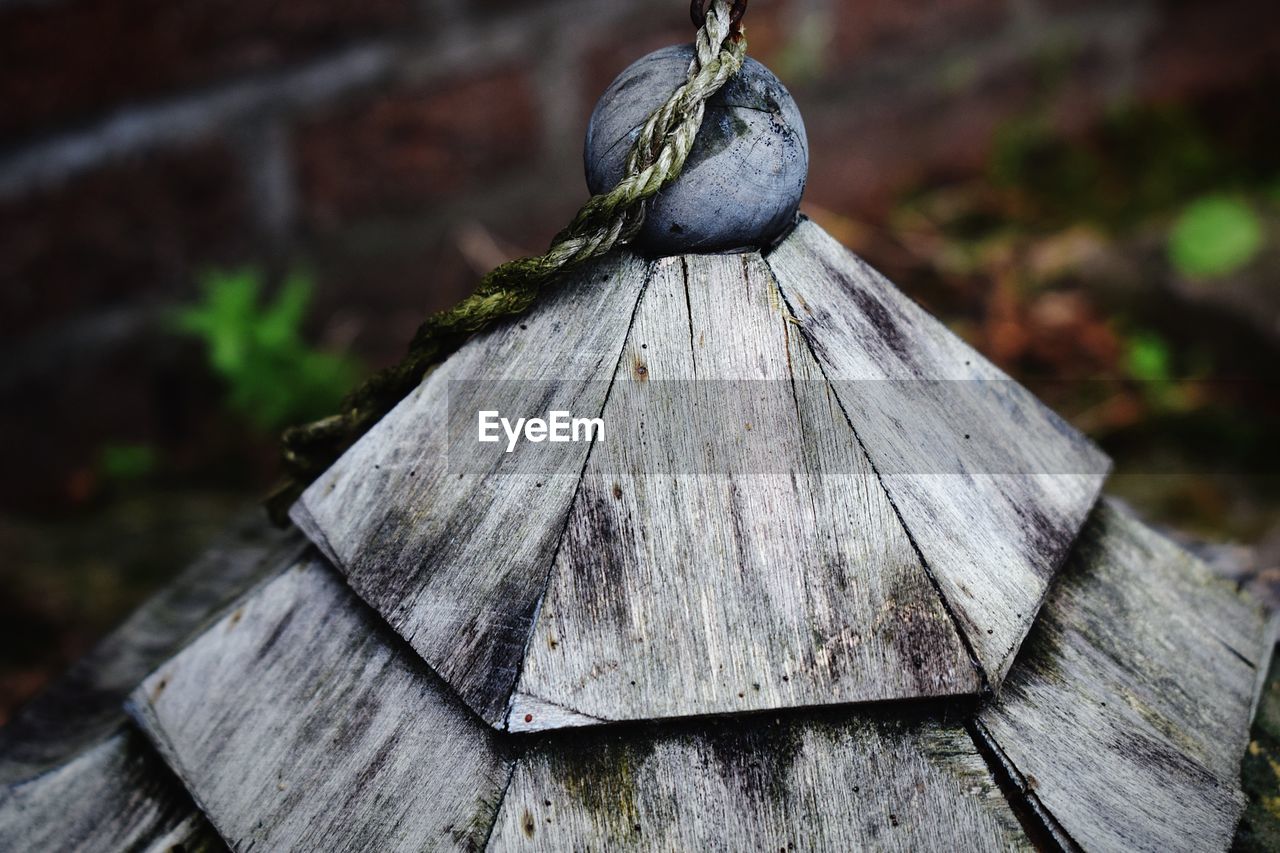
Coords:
75,775
300,722
83,706
991,485
456,561
1127,712
809,782
701,573
114,795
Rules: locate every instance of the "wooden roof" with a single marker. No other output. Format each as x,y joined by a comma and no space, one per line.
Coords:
301,721
1128,711
757,615
74,775
297,720
901,551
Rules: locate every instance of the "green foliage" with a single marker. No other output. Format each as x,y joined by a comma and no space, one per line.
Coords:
126,462
1142,162
1215,236
1150,361
273,376
1148,358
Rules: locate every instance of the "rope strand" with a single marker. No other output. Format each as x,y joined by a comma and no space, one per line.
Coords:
607,220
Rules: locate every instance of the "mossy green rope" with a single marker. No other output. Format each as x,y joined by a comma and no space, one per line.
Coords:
605,221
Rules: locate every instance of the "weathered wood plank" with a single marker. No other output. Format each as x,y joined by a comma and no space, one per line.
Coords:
1127,712
811,782
456,560
300,722
991,485
83,706
114,795
730,548
75,775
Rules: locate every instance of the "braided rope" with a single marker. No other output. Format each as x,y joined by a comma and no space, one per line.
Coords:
605,221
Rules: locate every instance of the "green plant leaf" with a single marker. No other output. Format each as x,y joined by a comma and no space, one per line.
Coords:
1149,358
1215,236
273,376
280,325
124,462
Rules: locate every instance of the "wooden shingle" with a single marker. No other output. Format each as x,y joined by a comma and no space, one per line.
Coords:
1127,714
991,485
74,775
696,576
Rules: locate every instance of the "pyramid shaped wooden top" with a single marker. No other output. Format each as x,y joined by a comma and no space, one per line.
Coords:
808,492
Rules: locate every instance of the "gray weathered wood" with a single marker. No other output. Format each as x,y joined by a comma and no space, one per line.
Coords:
456,560
75,775
692,580
1127,712
742,183
300,722
83,706
991,485
804,783
114,795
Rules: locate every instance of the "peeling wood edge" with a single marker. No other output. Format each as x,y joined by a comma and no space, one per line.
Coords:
1055,573
1037,821
949,711
513,761
955,710
504,722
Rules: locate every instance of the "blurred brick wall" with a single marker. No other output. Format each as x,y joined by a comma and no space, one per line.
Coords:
401,147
